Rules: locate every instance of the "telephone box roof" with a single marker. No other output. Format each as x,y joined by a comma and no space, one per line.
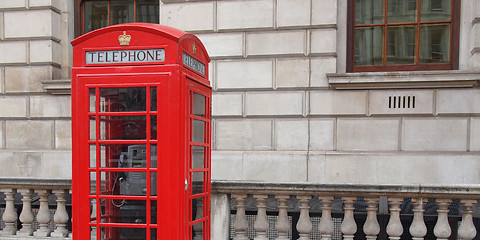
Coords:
173,34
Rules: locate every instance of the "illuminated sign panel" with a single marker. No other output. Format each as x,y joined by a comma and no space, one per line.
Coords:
125,56
193,63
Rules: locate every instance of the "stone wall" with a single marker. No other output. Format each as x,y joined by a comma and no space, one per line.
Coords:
277,117
35,126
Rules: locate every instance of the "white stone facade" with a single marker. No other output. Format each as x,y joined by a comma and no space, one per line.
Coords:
284,110
278,116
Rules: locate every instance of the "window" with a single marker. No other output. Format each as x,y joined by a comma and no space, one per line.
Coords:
402,35
94,14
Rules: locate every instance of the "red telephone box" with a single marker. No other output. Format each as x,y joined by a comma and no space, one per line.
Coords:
141,104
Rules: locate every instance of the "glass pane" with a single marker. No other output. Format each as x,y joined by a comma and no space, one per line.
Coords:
402,11
147,11
435,43
368,46
436,10
153,127
153,213
197,208
123,233
198,130
197,183
123,127
96,15
197,231
92,99
369,12
198,157
153,99
401,45
123,156
93,156
198,105
121,12
92,128
123,99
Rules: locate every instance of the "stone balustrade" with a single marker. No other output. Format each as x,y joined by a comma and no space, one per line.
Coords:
343,211
32,219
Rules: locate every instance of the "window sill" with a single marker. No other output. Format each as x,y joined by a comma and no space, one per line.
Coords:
417,79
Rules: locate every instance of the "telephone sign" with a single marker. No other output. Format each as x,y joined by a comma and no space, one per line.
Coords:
141,119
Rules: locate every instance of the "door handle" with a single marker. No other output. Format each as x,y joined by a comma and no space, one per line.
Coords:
186,184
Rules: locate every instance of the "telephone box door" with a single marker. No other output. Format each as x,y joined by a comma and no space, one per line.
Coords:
122,149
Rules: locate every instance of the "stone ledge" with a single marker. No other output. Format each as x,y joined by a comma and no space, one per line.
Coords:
413,79
405,190
58,87
35,183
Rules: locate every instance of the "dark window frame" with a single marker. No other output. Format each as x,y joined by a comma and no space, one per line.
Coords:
80,14
453,51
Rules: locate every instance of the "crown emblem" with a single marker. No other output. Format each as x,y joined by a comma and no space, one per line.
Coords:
124,39
194,49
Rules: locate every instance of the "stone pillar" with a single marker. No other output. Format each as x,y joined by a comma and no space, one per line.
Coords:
371,227
442,229
304,225
348,227
467,230
10,215
61,215
418,229
43,215
26,216
282,225
220,214
261,222
240,224
326,226
394,227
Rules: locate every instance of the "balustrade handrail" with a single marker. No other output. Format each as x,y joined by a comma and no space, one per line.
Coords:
461,191
35,183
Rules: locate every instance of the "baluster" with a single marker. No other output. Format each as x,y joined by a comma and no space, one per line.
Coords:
418,229
26,216
261,222
326,226
348,227
371,227
467,230
197,228
442,229
10,215
240,224
394,227
304,225
282,225
70,235
61,215
43,215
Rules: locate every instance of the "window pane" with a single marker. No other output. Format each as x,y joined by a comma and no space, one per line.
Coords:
198,157
436,10
197,182
402,11
369,12
121,12
198,131
123,99
368,46
147,11
198,105
401,45
96,15
435,43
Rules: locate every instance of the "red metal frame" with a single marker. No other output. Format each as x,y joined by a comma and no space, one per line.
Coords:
175,85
